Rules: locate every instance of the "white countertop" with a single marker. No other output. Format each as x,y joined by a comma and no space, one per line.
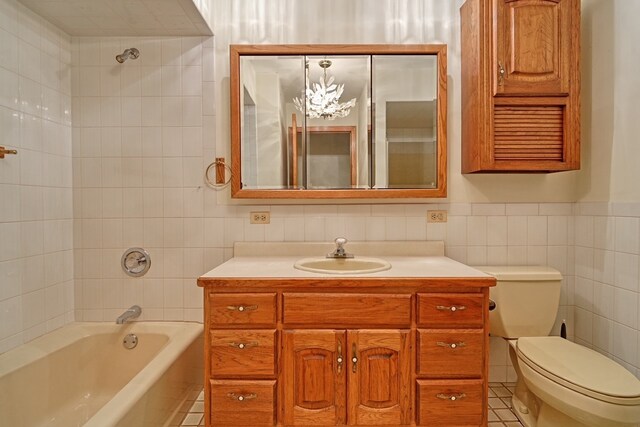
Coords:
407,259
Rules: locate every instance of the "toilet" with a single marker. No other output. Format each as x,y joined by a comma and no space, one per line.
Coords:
560,383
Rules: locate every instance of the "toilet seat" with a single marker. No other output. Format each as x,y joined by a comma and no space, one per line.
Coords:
579,369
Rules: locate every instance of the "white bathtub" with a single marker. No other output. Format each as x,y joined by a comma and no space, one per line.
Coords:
81,375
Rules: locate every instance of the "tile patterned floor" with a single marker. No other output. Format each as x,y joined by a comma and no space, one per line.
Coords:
500,414
195,416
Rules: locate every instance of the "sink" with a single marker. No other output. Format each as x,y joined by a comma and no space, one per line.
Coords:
359,265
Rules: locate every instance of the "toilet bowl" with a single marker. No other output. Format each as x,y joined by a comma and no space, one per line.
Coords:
560,383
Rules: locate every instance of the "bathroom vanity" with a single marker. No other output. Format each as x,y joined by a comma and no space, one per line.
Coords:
405,346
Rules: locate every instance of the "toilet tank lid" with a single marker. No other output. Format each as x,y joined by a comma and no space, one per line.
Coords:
516,273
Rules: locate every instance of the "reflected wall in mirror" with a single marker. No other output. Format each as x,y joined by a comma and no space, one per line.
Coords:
338,121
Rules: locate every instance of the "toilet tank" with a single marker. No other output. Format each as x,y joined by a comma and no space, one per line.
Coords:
527,300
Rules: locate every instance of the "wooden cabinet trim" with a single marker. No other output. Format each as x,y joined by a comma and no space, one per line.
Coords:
242,309
242,403
434,409
347,309
243,353
450,353
448,310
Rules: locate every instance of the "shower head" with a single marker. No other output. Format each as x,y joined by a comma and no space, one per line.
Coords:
132,53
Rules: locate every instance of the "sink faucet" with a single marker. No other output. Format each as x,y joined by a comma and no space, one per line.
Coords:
131,313
340,252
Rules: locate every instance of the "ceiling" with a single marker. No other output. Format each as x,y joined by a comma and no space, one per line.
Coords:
122,17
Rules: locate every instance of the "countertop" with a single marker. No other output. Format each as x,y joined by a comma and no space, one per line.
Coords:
407,259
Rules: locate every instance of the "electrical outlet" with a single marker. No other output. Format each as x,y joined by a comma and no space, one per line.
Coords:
436,216
260,217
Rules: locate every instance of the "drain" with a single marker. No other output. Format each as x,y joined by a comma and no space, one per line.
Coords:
130,341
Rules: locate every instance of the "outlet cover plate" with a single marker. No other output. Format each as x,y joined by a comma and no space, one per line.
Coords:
436,216
260,217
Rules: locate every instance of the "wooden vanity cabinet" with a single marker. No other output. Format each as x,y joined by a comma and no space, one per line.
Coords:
300,353
520,85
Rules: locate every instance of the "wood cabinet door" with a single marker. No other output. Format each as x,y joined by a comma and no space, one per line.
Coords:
314,372
379,391
532,51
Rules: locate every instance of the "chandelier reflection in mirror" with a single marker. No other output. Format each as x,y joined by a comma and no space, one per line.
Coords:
323,101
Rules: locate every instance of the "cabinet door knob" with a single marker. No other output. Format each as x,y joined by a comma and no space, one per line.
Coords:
501,73
452,308
453,345
451,397
241,397
242,308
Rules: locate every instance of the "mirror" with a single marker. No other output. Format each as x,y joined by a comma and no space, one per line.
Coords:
338,121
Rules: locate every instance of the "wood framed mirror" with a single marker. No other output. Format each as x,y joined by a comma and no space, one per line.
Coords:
370,121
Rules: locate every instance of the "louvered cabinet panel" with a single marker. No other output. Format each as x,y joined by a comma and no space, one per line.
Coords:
528,133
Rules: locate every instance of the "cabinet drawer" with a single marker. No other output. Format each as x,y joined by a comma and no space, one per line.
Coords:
450,353
242,309
450,403
346,310
243,403
451,310
243,352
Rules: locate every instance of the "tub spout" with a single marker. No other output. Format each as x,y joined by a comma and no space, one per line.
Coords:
131,313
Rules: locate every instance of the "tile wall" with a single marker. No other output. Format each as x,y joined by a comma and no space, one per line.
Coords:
36,240
142,136
607,293
144,131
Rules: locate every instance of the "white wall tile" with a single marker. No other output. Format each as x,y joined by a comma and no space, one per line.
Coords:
625,343
604,233
537,230
375,228
627,235
557,230
477,230
584,231
517,230
521,209
625,307
626,271
603,333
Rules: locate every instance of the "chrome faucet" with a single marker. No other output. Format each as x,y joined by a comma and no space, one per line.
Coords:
340,252
131,313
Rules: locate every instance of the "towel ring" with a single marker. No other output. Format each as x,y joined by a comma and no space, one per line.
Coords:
214,184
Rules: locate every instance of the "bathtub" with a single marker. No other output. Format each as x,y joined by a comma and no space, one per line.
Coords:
81,375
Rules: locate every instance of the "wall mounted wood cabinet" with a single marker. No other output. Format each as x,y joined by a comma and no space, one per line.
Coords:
520,85
359,352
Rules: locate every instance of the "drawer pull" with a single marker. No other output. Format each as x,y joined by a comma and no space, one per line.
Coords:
452,397
242,308
450,308
243,345
241,397
450,344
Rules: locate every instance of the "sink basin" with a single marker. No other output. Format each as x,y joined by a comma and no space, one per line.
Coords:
359,265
